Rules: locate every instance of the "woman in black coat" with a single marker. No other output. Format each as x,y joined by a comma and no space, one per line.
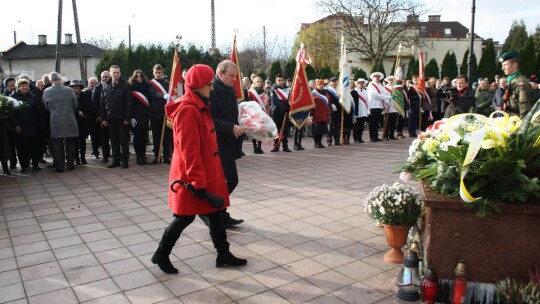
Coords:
84,117
141,114
26,124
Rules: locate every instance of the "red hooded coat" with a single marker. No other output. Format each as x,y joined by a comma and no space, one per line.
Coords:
195,159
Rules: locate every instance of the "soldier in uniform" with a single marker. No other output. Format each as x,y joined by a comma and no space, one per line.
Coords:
519,100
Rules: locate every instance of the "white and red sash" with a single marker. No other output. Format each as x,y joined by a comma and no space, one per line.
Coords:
282,94
140,97
255,96
363,100
389,90
321,97
158,86
376,86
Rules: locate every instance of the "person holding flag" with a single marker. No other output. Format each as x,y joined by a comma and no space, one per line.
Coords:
361,109
280,102
320,113
141,114
159,96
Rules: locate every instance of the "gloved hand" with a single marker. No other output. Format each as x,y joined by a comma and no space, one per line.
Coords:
166,96
333,106
133,122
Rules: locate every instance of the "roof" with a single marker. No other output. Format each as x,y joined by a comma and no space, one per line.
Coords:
21,50
438,30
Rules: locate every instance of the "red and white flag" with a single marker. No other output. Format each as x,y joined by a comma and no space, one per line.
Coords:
301,100
238,81
176,88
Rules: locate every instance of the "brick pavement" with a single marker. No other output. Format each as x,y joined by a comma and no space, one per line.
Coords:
87,236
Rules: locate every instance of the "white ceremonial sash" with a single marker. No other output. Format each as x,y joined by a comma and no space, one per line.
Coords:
140,97
158,86
255,96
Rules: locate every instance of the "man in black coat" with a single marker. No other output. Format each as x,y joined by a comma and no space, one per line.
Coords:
224,110
159,88
103,131
116,113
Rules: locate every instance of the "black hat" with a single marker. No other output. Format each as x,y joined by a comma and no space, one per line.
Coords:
508,56
76,82
333,78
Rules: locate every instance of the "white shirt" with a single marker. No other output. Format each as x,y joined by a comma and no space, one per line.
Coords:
377,96
363,109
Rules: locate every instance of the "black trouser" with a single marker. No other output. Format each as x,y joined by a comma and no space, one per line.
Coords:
119,139
400,123
29,149
180,222
105,142
358,128
58,151
157,125
80,147
298,134
12,144
335,130
390,125
413,121
140,135
374,121
95,137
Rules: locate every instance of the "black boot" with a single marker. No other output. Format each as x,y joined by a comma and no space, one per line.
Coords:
161,256
163,262
286,148
5,168
259,149
225,257
139,160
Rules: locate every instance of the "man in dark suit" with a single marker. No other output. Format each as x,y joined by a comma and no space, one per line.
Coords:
224,110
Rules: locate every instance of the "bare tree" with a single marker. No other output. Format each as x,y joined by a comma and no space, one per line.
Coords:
374,28
101,42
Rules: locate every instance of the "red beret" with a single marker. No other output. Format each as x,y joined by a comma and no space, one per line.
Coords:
199,75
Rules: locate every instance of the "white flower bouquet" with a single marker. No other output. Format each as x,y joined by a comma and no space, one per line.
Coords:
395,205
255,122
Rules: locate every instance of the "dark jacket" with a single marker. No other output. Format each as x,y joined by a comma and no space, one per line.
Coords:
85,107
224,110
464,102
157,102
96,99
117,101
141,112
28,118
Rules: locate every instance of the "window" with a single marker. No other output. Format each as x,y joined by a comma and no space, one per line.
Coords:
448,31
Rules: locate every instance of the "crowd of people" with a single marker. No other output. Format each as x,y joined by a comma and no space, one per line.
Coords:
114,110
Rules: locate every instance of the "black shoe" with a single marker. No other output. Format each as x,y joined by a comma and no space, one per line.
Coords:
139,161
296,148
301,148
78,161
5,168
36,168
275,149
163,262
168,161
241,154
114,164
286,149
42,161
13,166
227,258
105,160
125,165
70,167
328,143
53,165
258,151
154,162
23,169
413,136
230,222
144,161
319,145
83,161
392,138
95,156
58,170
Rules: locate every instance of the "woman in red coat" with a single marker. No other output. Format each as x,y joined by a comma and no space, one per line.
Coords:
196,162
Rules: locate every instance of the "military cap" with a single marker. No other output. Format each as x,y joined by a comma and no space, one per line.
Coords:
508,56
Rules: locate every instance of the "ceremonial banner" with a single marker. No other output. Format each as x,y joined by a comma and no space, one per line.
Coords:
176,88
398,96
421,77
301,100
344,84
238,82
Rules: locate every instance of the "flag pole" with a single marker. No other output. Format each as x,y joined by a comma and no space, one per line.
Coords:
164,125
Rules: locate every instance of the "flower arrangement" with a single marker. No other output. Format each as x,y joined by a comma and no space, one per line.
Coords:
395,205
9,105
484,160
255,122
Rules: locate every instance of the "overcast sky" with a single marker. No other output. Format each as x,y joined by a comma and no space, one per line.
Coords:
159,21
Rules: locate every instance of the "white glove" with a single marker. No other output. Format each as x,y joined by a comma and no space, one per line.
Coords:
133,122
334,108
166,96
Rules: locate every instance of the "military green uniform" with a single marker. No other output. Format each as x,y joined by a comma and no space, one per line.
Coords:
521,93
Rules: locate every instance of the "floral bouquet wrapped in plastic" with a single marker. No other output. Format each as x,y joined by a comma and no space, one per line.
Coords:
9,105
255,122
